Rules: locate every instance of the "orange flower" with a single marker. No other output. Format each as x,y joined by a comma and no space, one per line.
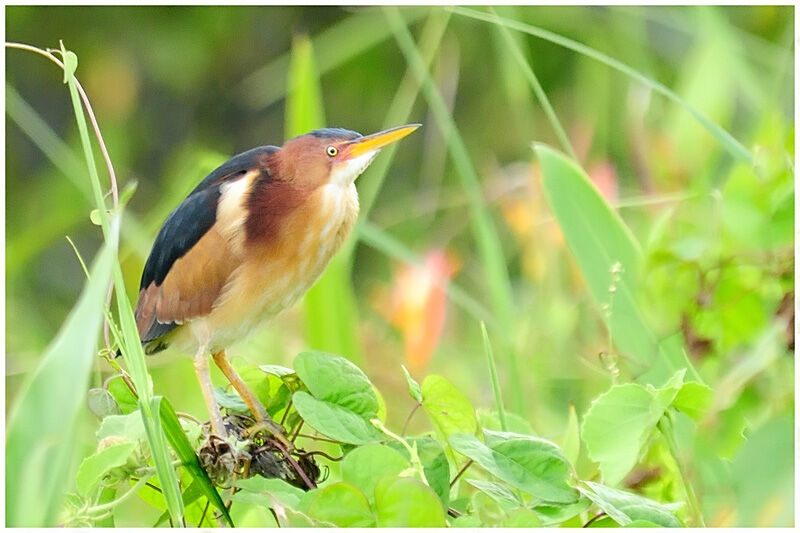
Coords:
418,305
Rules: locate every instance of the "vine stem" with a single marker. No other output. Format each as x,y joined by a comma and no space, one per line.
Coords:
110,505
96,128
410,415
460,472
665,427
416,463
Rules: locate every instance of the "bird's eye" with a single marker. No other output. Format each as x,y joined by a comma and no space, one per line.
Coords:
331,151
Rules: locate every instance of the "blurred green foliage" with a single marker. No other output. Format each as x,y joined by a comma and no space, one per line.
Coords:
177,90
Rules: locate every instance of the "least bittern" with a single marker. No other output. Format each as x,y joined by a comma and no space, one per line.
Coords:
246,244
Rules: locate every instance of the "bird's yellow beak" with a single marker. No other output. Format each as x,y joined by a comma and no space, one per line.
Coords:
376,141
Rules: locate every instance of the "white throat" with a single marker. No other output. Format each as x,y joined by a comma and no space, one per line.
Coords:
346,172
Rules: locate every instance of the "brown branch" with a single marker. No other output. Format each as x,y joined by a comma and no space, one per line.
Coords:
313,437
323,454
286,412
598,516
203,516
408,419
298,469
460,472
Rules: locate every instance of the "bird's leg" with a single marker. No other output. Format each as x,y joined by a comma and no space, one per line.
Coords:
204,376
260,414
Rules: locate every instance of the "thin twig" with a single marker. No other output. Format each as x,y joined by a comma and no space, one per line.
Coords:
203,516
110,505
408,419
313,437
300,472
153,487
297,431
275,515
109,166
323,454
187,416
286,412
463,469
596,517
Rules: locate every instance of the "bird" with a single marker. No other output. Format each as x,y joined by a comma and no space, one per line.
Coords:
246,243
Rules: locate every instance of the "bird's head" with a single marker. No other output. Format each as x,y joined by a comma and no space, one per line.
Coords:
332,155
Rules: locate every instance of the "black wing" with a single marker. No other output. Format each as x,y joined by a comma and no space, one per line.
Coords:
195,215
187,224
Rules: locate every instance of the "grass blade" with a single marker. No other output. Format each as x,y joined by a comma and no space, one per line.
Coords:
734,147
486,237
183,448
610,260
132,349
430,38
336,46
40,453
162,459
533,81
329,308
498,396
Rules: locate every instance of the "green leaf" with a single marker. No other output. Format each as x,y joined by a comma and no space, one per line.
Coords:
156,433
551,515
102,404
129,426
284,492
434,463
189,496
619,422
487,510
70,63
341,504
625,507
405,502
466,521
413,387
183,449
94,467
609,258
256,381
500,493
763,475
40,448
516,424
230,400
365,465
279,496
694,399
94,217
521,518
334,379
125,399
449,410
604,522
277,370
572,440
335,421
533,465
